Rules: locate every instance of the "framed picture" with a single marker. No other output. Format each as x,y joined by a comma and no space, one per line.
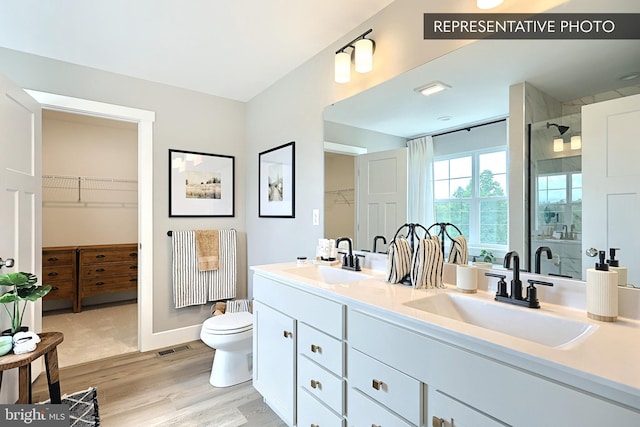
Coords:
276,182
201,184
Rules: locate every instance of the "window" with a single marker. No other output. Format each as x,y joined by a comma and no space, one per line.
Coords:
470,191
559,198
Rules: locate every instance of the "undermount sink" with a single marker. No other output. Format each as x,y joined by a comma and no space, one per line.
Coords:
517,322
326,274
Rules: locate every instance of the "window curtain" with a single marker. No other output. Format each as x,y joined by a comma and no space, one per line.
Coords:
420,206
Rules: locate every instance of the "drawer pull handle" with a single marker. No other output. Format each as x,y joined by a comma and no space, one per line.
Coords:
133,267
315,384
99,270
99,283
315,349
315,425
134,254
100,256
288,334
437,422
376,425
133,280
52,274
54,288
52,259
377,384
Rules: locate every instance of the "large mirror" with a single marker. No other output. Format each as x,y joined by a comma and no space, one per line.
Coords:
560,76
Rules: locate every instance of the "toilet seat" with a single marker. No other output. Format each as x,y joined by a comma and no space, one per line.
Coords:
229,323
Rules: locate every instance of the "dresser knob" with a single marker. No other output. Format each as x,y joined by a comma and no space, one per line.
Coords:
315,384
54,288
100,256
377,384
134,254
99,283
52,274
99,270
133,267
315,348
52,259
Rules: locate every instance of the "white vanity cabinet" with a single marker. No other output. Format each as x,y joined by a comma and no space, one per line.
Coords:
312,391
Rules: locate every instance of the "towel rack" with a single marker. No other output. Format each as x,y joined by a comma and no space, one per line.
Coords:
443,232
411,236
170,232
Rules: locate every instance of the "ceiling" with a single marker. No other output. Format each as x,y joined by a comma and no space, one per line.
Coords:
230,48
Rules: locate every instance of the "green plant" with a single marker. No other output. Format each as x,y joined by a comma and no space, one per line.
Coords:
23,288
487,255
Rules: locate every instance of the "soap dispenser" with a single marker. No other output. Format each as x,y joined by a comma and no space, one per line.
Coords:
602,291
614,265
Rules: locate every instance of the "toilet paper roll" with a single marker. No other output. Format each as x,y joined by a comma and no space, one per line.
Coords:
466,278
602,295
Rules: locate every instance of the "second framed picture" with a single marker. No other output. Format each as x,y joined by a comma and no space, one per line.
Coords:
276,182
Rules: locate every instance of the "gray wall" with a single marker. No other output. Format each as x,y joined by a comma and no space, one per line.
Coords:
185,120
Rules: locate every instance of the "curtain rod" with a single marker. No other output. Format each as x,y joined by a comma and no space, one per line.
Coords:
467,128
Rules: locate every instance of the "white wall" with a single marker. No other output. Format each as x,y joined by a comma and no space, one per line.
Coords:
185,120
75,145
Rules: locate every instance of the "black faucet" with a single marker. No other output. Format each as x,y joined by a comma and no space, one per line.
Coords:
516,283
349,262
375,241
516,298
539,251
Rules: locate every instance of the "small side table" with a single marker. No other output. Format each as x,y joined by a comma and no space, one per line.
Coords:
47,348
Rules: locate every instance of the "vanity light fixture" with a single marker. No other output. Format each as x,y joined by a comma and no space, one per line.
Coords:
432,88
362,52
488,4
576,142
558,145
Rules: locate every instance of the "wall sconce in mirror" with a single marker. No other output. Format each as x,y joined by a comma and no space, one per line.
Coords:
558,142
362,53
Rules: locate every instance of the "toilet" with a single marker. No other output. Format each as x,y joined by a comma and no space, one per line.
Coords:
230,335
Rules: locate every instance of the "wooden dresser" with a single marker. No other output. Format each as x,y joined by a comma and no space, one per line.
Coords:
105,269
59,271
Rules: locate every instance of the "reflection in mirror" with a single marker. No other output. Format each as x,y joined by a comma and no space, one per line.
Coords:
485,77
556,196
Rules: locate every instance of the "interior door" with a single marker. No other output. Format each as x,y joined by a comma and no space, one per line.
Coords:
610,173
20,200
382,195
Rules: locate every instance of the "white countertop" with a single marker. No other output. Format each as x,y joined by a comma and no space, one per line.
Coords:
606,362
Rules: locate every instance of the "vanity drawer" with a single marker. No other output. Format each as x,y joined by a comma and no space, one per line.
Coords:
319,312
321,383
397,391
365,412
321,348
57,273
313,413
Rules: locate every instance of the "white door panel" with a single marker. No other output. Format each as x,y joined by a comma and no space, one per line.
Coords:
382,195
20,202
611,179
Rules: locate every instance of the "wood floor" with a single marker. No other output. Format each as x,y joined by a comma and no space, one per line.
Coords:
145,389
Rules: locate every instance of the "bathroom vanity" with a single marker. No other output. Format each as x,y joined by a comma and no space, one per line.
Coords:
336,348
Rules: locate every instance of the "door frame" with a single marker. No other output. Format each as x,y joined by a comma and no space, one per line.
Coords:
147,340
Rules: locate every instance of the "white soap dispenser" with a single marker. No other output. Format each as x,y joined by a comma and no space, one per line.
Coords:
614,265
602,292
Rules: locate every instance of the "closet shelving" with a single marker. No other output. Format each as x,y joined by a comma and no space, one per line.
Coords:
342,196
86,191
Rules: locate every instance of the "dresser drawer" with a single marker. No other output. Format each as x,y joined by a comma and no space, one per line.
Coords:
101,255
321,348
61,290
56,258
321,383
99,286
108,269
57,273
397,391
312,413
365,412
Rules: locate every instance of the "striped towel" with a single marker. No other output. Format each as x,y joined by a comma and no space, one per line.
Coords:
427,264
238,305
398,260
459,253
193,287
189,286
